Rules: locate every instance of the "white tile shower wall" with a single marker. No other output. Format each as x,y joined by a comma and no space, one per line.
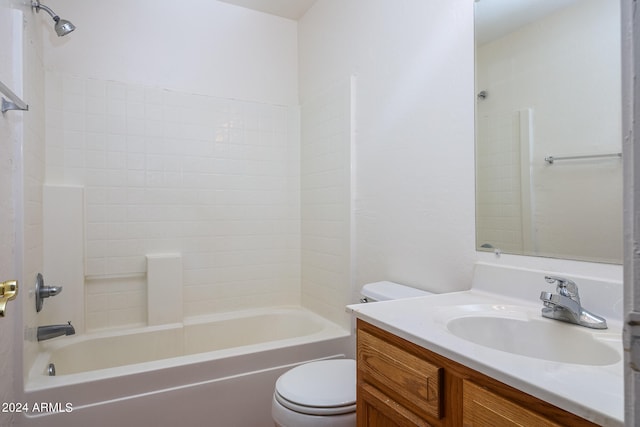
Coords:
326,202
115,302
164,289
213,179
63,247
499,210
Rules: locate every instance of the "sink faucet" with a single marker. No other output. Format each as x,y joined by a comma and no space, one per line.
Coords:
565,305
52,331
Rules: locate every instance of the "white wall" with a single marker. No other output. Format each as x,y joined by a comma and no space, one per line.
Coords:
202,47
413,199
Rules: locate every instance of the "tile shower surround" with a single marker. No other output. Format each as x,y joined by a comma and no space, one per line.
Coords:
214,179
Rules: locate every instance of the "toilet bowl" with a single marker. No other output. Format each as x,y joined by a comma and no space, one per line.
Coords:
323,393
317,394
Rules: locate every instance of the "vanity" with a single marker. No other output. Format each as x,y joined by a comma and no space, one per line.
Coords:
400,383
484,357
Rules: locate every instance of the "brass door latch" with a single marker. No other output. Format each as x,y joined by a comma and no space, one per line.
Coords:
8,291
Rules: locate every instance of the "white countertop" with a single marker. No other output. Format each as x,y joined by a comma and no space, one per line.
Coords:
592,392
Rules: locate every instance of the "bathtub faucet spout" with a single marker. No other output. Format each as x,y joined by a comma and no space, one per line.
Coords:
52,331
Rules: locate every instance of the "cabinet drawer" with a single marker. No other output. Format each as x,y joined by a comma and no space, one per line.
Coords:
482,408
415,383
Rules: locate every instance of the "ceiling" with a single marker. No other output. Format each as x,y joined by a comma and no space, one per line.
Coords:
496,18
291,9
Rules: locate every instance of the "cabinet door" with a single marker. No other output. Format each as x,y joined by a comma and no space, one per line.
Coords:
376,409
483,408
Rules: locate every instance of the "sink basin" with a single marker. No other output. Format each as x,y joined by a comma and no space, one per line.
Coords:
536,337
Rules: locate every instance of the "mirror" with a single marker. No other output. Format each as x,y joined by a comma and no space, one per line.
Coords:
548,128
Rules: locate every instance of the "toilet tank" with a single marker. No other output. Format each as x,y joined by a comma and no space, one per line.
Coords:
385,291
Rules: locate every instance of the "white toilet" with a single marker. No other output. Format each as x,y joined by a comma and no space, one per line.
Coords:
323,393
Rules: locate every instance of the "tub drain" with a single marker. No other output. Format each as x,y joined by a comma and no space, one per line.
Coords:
52,370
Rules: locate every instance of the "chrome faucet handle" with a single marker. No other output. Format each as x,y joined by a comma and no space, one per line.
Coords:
565,287
565,305
43,291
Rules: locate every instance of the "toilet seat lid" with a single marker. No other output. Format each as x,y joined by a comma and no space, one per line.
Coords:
327,386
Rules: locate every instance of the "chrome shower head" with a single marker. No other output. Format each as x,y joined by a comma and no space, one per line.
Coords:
62,26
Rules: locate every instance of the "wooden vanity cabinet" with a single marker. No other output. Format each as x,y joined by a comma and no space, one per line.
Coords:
402,384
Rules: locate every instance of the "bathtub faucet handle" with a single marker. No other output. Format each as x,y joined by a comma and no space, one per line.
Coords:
50,291
43,291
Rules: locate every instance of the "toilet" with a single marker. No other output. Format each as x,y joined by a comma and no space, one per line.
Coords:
323,393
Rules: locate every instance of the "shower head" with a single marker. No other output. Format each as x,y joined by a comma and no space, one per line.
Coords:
62,26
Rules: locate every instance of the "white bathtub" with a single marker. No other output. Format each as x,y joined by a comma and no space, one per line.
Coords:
215,370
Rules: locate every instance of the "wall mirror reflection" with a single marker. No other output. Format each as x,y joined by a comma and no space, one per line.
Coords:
548,128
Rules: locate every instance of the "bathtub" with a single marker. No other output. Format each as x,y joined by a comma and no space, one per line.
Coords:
215,370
